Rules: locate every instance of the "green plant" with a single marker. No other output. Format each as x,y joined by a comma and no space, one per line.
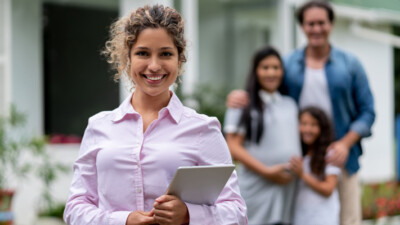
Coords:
56,210
14,147
209,99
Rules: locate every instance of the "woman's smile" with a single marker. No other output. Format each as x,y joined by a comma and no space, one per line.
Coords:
154,78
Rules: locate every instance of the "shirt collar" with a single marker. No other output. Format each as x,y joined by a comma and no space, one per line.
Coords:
267,97
174,108
301,57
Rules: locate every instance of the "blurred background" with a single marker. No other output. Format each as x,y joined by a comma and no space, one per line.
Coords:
52,71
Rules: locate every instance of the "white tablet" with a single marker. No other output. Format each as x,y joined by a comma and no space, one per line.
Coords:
200,184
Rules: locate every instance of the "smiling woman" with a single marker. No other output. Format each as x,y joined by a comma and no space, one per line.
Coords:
128,156
263,137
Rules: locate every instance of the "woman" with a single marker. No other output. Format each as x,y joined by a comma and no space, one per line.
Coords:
263,137
129,155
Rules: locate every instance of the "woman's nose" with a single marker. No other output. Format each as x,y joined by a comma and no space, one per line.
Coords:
154,64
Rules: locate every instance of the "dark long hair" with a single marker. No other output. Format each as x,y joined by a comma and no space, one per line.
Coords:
252,118
321,144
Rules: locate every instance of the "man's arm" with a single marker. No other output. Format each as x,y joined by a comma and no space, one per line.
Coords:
361,126
237,99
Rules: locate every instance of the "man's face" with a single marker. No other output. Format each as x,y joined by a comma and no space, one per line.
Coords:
316,26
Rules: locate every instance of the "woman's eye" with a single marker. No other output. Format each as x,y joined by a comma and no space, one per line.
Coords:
166,54
142,53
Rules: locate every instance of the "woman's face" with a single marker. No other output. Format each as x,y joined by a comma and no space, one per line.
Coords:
316,26
270,73
309,128
154,62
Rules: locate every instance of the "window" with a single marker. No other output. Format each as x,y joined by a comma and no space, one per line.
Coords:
77,80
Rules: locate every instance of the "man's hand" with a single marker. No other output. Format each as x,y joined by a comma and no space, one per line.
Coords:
337,153
140,218
237,99
170,210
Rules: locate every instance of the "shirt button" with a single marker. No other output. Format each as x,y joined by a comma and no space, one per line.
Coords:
139,190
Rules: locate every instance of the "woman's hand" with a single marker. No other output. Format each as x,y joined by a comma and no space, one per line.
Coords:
279,174
140,218
170,210
296,165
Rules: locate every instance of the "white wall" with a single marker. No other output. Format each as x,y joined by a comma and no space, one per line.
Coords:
378,159
26,64
5,68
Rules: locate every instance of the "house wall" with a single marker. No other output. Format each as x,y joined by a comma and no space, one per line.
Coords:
5,40
26,62
229,33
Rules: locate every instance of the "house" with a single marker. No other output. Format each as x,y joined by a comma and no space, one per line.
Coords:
51,69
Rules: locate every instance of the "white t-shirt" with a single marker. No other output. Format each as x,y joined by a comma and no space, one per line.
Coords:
311,208
315,91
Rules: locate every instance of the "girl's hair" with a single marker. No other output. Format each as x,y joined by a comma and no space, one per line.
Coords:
321,144
254,111
315,3
125,31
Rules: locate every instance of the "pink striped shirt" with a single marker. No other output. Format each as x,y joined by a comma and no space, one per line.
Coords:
120,169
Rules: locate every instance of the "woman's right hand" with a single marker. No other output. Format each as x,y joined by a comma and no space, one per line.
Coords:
279,174
140,218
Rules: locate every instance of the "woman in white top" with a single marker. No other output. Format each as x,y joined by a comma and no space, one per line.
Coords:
263,137
317,200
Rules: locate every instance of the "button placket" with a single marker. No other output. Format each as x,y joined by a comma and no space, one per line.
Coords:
138,171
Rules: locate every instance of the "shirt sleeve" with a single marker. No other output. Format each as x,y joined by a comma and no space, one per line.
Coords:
332,170
230,207
231,121
82,204
363,100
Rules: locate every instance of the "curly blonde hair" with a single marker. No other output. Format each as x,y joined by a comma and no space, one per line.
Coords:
125,31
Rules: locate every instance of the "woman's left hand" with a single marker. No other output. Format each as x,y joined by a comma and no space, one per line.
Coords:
296,165
170,210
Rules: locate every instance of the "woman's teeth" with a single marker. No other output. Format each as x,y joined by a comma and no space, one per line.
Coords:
154,77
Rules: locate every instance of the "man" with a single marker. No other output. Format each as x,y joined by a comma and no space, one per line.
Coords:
322,75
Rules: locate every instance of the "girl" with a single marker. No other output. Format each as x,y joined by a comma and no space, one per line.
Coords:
317,200
129,155
263,137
